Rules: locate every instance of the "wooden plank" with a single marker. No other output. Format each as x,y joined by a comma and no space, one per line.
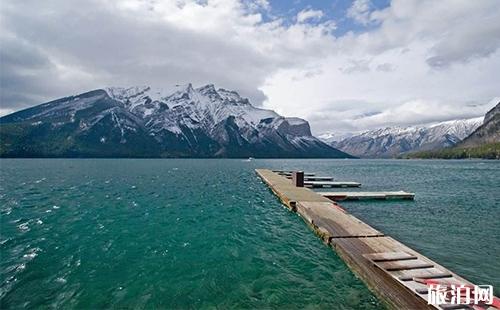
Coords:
352,249
336,222
284,171
406,275
423,291
394,292
387,243
449,281
316,184
389,256
441,275
306,178
284,189
339,196
288,174
404,265
418,288
454,307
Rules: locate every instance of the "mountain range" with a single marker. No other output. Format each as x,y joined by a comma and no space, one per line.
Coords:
483,142
488,132
147,122
394,141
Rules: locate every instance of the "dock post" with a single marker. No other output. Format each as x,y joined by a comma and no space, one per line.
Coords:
298,178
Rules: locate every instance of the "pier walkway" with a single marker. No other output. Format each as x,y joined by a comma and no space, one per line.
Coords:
397,274
313,178
338,196
316,184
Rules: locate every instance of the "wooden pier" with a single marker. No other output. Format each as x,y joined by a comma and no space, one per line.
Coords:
289,174
317,184
397,274
339,196
313,178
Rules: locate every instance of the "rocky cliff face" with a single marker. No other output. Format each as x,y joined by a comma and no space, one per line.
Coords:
488,132
146,122
394,141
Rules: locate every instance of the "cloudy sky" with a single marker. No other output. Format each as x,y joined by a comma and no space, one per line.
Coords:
345,66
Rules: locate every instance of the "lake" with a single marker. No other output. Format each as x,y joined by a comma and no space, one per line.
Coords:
202,233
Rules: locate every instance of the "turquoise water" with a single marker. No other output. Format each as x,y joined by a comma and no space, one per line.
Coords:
87,233
455,218
160,234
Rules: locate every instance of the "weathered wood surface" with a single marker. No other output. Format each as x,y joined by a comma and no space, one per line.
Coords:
338,223
317,184
284,189
315,178
289,173
390,269
339,196
389,256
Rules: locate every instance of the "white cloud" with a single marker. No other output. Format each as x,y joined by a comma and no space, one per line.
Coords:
360,11
95,44
442,55
419,60
425,111
308,14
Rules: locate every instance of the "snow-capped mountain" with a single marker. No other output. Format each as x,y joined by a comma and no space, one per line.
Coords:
330,137
394,141
488,132
146,122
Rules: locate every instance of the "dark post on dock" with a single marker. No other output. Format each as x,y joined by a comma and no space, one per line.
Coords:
298,178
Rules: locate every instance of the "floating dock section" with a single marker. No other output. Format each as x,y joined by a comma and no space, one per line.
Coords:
316,184
397,274
289,174
313,178
339,196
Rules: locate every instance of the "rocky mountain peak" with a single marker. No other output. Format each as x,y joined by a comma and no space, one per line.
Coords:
394,141
124,93
488,132
491,113
142,121
207,89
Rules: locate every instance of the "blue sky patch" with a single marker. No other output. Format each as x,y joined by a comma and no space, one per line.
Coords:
336,10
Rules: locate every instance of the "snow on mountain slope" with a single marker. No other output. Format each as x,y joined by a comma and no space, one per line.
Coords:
456,128
330,137
393,141
488,132
146,122
201,105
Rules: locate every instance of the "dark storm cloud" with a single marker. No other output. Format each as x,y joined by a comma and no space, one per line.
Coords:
25,73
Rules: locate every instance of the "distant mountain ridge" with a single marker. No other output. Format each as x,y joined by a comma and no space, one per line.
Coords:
488,132
144,122
483,142
394,141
